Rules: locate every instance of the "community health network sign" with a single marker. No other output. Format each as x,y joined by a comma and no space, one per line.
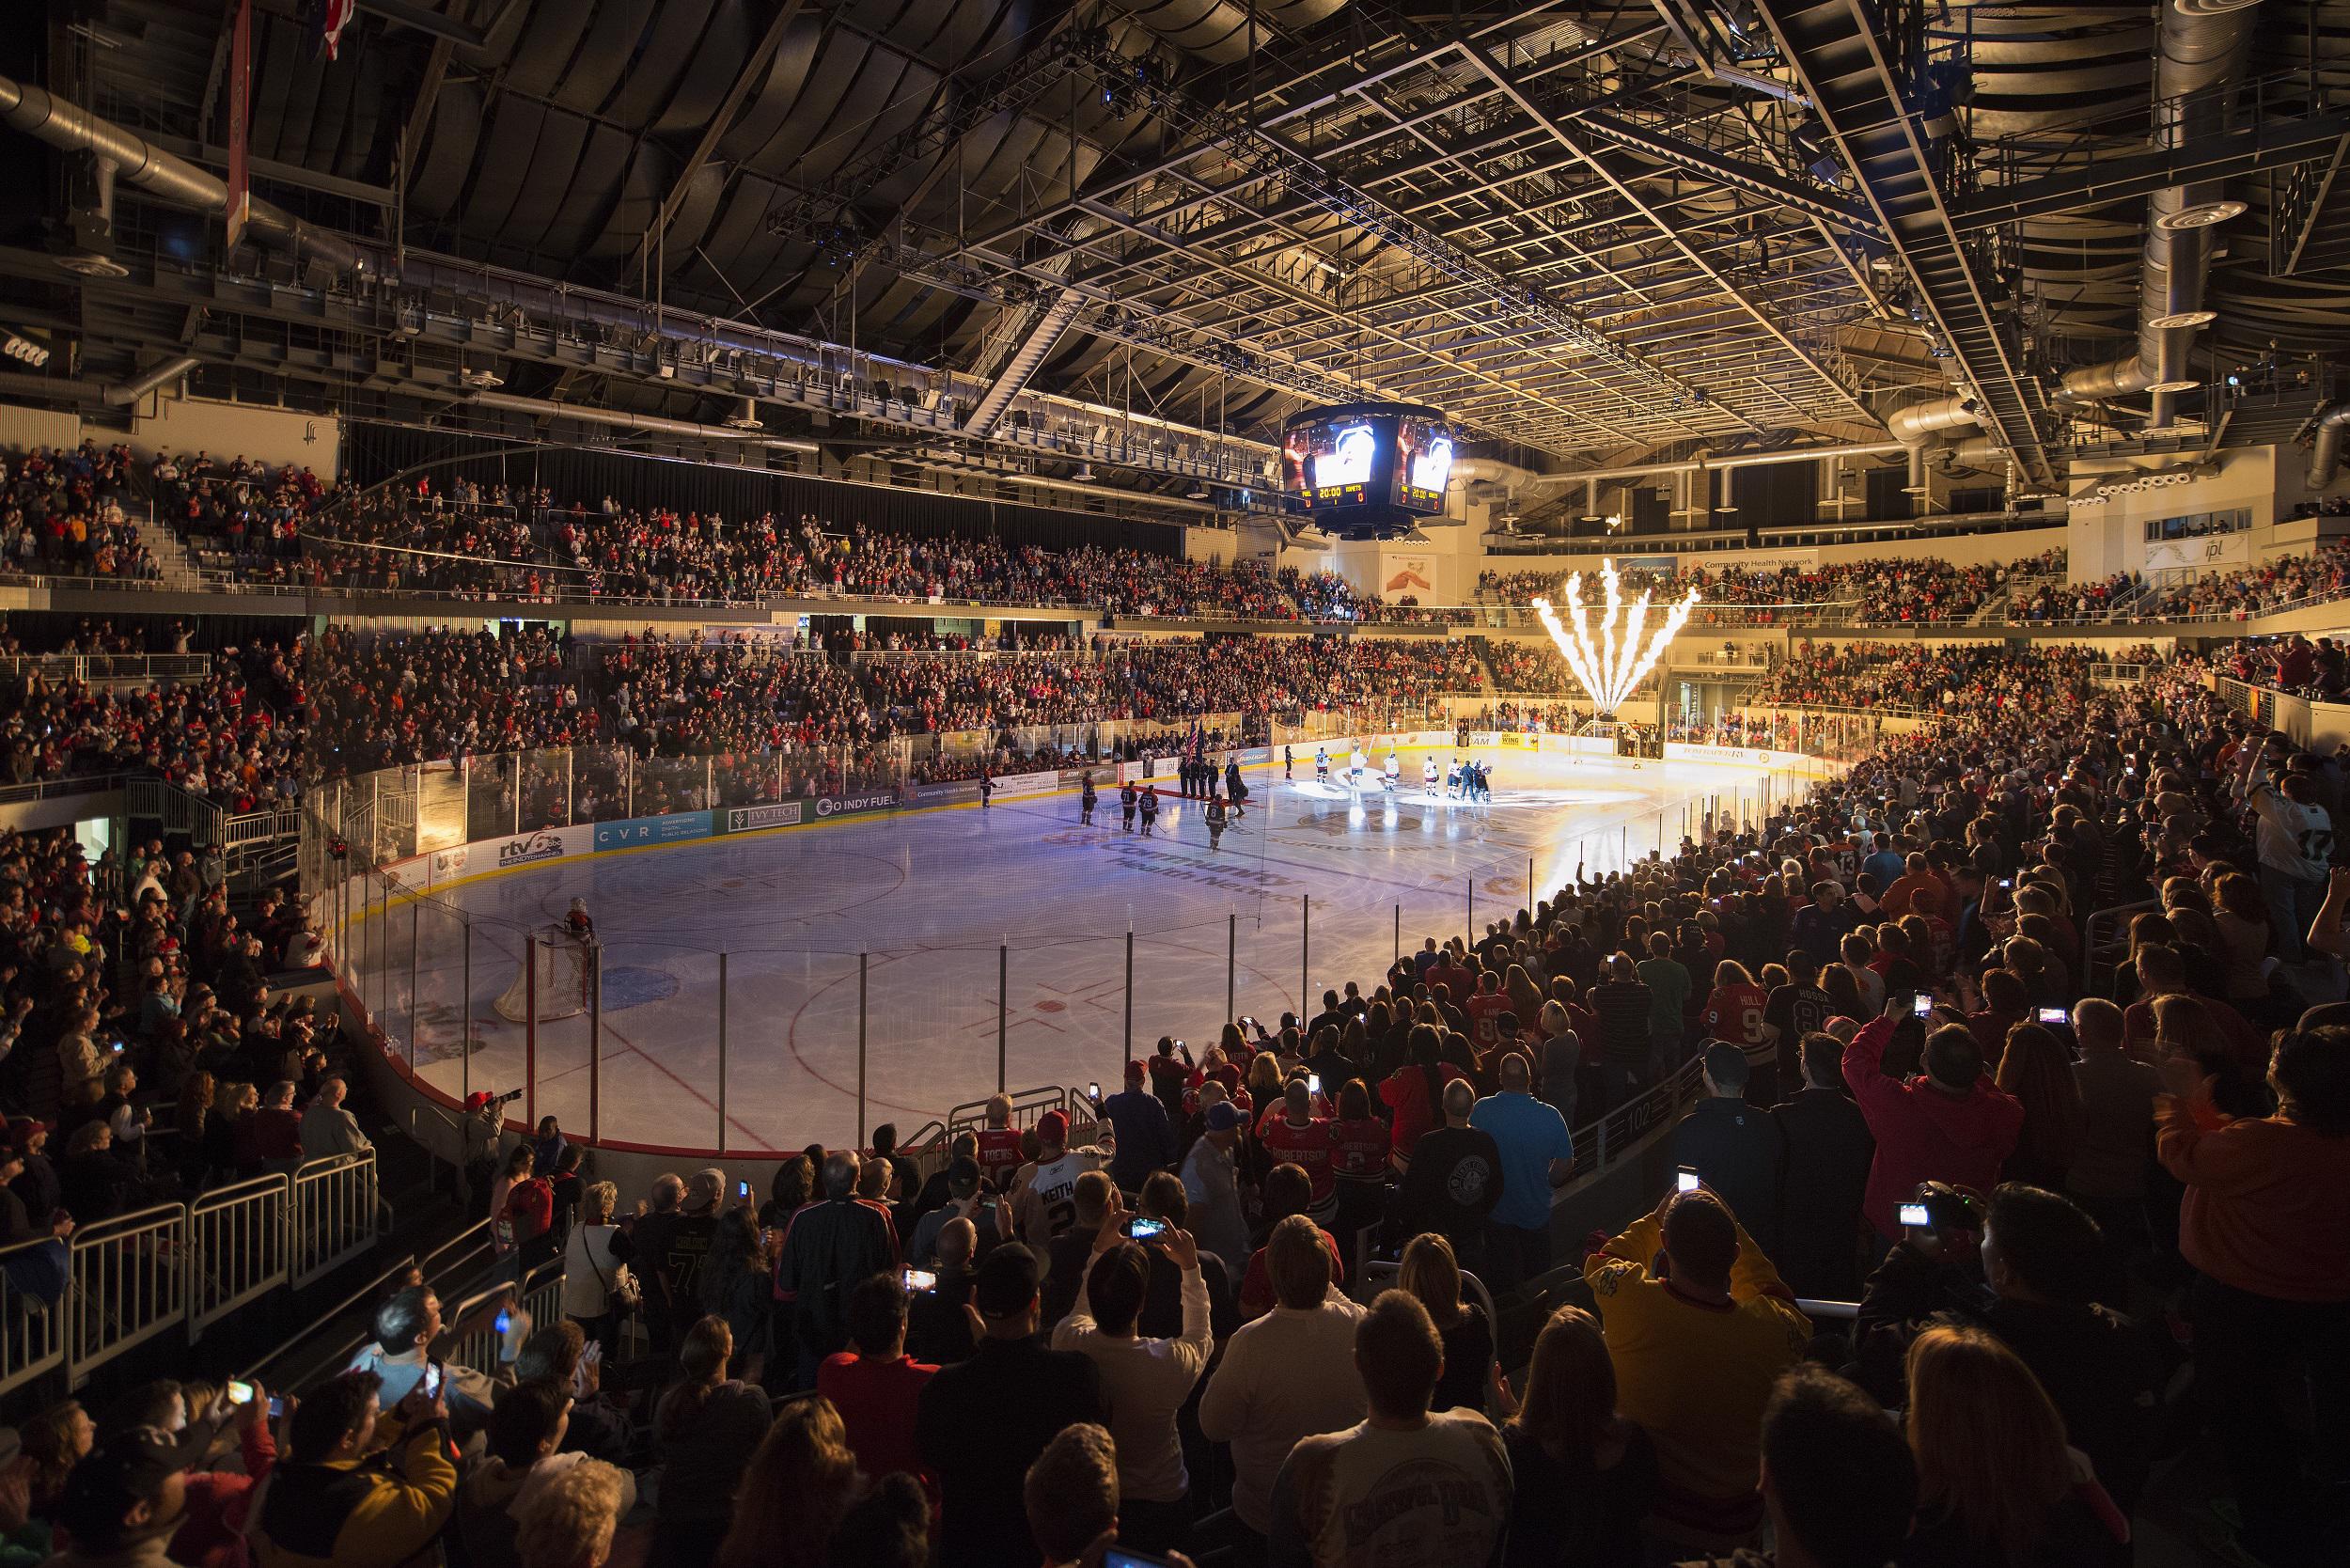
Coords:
676,827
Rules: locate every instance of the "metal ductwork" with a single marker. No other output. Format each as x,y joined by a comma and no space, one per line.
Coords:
1219,31
1911,426
1919,426
114,394
132,391
2203,48
2331,424
39,113
619,419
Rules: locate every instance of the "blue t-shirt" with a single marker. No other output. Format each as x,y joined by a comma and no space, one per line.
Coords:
1887,865
1529,1134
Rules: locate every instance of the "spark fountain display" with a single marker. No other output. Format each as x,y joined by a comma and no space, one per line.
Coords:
1610,669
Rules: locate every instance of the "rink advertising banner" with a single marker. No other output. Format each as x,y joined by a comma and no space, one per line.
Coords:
746,818
676,827
1517,740
548,843
850,806
1483,737
954,789
1028,783
450,863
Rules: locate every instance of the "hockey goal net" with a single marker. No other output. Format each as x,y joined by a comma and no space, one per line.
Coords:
566,971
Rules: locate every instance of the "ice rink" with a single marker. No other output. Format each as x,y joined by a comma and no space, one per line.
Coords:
1306,893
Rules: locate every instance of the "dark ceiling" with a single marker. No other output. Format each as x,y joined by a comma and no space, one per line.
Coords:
1589,231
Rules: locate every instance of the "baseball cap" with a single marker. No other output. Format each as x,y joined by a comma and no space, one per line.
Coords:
478,1099
1223,1117
1053,1128
23,1128
1137,1070
1005,1282
107,1485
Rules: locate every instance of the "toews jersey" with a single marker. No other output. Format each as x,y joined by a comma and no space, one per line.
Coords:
1000,1154
1307,1148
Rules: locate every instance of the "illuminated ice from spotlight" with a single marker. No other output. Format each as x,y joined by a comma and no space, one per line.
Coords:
1612,668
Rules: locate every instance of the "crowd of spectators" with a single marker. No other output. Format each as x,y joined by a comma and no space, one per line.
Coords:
1897,590
1978,679
468,540
233,735
2060,1183
62,513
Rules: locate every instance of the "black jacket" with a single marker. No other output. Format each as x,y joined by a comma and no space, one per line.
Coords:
1828,1149
1453,1183
1738,1150
981,1424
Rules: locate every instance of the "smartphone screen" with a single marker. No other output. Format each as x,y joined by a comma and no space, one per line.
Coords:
431,1380
916,1280
240,1393
2054,1016
1126,1557
1685,1180
1313,1083
1915,1216
1922,1005
742,1189
1093,1091
1142,1228
276,1406
505,1322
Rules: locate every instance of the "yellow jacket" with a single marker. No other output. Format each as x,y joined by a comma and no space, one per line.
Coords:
1693,1372
379,1511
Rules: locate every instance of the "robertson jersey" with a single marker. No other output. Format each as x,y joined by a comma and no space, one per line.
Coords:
1308,1147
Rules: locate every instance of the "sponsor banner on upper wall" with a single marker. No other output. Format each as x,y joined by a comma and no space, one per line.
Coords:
746,819
1517,740
952,789
1483,737
674,827
2199,555
852,805
1028,783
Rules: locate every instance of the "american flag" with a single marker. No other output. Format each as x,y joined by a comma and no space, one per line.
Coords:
332,17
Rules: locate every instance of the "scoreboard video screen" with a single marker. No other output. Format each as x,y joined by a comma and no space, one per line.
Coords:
1379,456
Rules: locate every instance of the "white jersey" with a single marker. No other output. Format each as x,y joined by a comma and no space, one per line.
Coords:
1046,1204
1428,771
1358,761
1395,765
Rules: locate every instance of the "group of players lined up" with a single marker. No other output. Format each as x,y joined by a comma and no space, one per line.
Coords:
1193,772
1463,780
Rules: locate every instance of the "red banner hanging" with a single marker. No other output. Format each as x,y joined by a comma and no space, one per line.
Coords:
240,97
